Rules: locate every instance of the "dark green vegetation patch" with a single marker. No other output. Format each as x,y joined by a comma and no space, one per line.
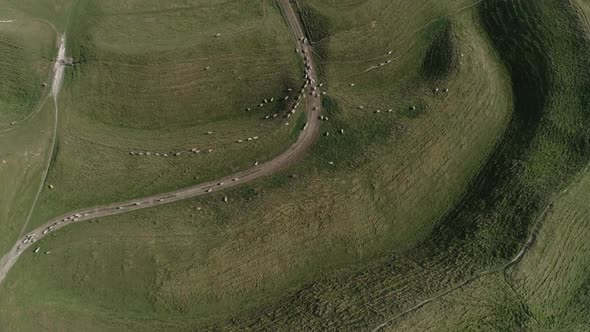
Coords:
442,57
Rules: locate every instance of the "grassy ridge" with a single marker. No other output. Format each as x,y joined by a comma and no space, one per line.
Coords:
392,176
538,155
442,56
545,143
553,278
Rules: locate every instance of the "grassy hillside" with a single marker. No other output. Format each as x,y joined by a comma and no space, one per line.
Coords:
54,12
154,79
539,154
425,203
23,157
26,118
196,264
26,50
554,277
546,290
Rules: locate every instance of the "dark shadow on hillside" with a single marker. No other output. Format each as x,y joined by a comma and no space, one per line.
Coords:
509,194
442,57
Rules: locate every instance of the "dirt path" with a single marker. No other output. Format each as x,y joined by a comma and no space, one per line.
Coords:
294,153
59,68
58,73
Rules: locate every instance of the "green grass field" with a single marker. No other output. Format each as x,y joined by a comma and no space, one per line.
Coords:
155,79
26,50
421,203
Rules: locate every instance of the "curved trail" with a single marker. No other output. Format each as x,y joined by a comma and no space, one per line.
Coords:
294,153
58,73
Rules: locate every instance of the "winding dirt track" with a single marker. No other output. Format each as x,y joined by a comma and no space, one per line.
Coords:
294,153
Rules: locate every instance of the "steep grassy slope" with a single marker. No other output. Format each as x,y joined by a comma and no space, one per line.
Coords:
196,264
546,290
443,56
545,145
554,276
547,139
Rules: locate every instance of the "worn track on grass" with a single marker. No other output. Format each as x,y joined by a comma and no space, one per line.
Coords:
58,74
294,153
